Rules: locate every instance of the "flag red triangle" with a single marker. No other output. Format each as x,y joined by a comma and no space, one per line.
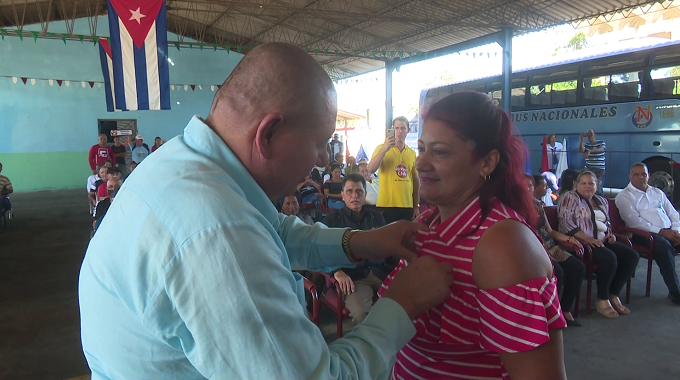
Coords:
193,87
91,84
24,79
544,157
59,82
137,16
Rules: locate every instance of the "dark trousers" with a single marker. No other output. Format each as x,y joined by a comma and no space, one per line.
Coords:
392,214
616,264
664,254
570,274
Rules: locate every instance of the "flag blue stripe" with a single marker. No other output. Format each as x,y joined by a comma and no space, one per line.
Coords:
140,77
163,65
117,58
107,82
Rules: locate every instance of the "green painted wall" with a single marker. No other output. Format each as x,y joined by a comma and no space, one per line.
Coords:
46,170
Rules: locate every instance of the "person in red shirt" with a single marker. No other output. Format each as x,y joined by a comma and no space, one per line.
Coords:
100,153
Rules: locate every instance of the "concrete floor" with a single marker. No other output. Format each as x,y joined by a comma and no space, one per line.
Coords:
41,252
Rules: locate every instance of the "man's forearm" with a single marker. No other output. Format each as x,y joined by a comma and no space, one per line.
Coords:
376,161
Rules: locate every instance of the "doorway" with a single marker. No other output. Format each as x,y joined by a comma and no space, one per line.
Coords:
126,128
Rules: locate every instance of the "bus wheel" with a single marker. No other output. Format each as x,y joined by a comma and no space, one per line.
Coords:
660,175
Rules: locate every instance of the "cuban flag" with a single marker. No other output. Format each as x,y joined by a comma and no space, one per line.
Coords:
139,54
107,70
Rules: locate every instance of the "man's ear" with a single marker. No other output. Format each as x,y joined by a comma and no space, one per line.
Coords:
266,130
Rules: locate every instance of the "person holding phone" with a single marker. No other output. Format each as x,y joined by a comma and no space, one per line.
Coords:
594,152
398,195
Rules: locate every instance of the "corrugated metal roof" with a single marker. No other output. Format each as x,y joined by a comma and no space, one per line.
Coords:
355,28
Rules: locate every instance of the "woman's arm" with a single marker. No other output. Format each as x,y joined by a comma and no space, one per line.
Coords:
507,254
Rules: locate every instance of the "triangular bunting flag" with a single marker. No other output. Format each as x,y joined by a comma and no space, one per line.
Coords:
186,87
172,87
193,87
212,88
91,84
81,37
59,82
68,83
63,38
200,46
238,48
32,81
177,45
83,84
227,47
99,84
14,79
191,45
200,87
2,32
24,79
50,34
35,36
20,34
51,82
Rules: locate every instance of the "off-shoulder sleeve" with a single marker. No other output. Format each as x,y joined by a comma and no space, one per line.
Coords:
517,318
390,277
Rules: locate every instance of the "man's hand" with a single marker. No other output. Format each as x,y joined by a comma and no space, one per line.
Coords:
586,154
672,235
396,239
344,282
389,143
423,284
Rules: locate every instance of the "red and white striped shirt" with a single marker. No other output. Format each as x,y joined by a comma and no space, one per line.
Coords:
461,339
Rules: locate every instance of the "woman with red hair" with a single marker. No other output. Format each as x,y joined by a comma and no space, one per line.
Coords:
502,319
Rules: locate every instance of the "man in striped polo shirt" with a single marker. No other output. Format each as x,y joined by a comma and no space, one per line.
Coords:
594,151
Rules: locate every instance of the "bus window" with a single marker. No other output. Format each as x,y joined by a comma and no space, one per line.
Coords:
540,94
666,81
563,93
596,89
624,86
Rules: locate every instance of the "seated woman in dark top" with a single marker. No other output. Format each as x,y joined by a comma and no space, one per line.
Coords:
333,189
569,270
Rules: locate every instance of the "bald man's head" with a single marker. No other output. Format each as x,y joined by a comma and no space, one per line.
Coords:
276,112
274,78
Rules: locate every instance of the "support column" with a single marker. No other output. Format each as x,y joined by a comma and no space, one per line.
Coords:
507,68
389,113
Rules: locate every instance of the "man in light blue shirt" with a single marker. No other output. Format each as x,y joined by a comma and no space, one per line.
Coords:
139,150
203,287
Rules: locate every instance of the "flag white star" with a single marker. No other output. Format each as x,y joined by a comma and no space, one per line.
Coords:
136,15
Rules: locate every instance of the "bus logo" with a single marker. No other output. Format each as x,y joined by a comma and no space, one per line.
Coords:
642,117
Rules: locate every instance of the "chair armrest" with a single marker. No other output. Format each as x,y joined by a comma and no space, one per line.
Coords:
572,247
311,288
638,232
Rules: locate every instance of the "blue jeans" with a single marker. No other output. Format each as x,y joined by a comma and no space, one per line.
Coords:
664,254
335,204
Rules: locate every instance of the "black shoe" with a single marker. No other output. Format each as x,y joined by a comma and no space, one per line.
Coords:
675,297
573,323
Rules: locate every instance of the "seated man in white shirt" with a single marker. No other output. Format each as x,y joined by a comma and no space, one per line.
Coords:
647,208
371,183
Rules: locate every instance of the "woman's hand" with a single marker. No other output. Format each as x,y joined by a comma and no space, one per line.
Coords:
572,240
609,237
593,242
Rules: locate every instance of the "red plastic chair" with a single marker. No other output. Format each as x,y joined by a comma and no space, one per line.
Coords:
551,215
591,267
311,288
335,300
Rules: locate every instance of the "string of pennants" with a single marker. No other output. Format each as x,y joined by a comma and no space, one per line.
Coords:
92,84
374,54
